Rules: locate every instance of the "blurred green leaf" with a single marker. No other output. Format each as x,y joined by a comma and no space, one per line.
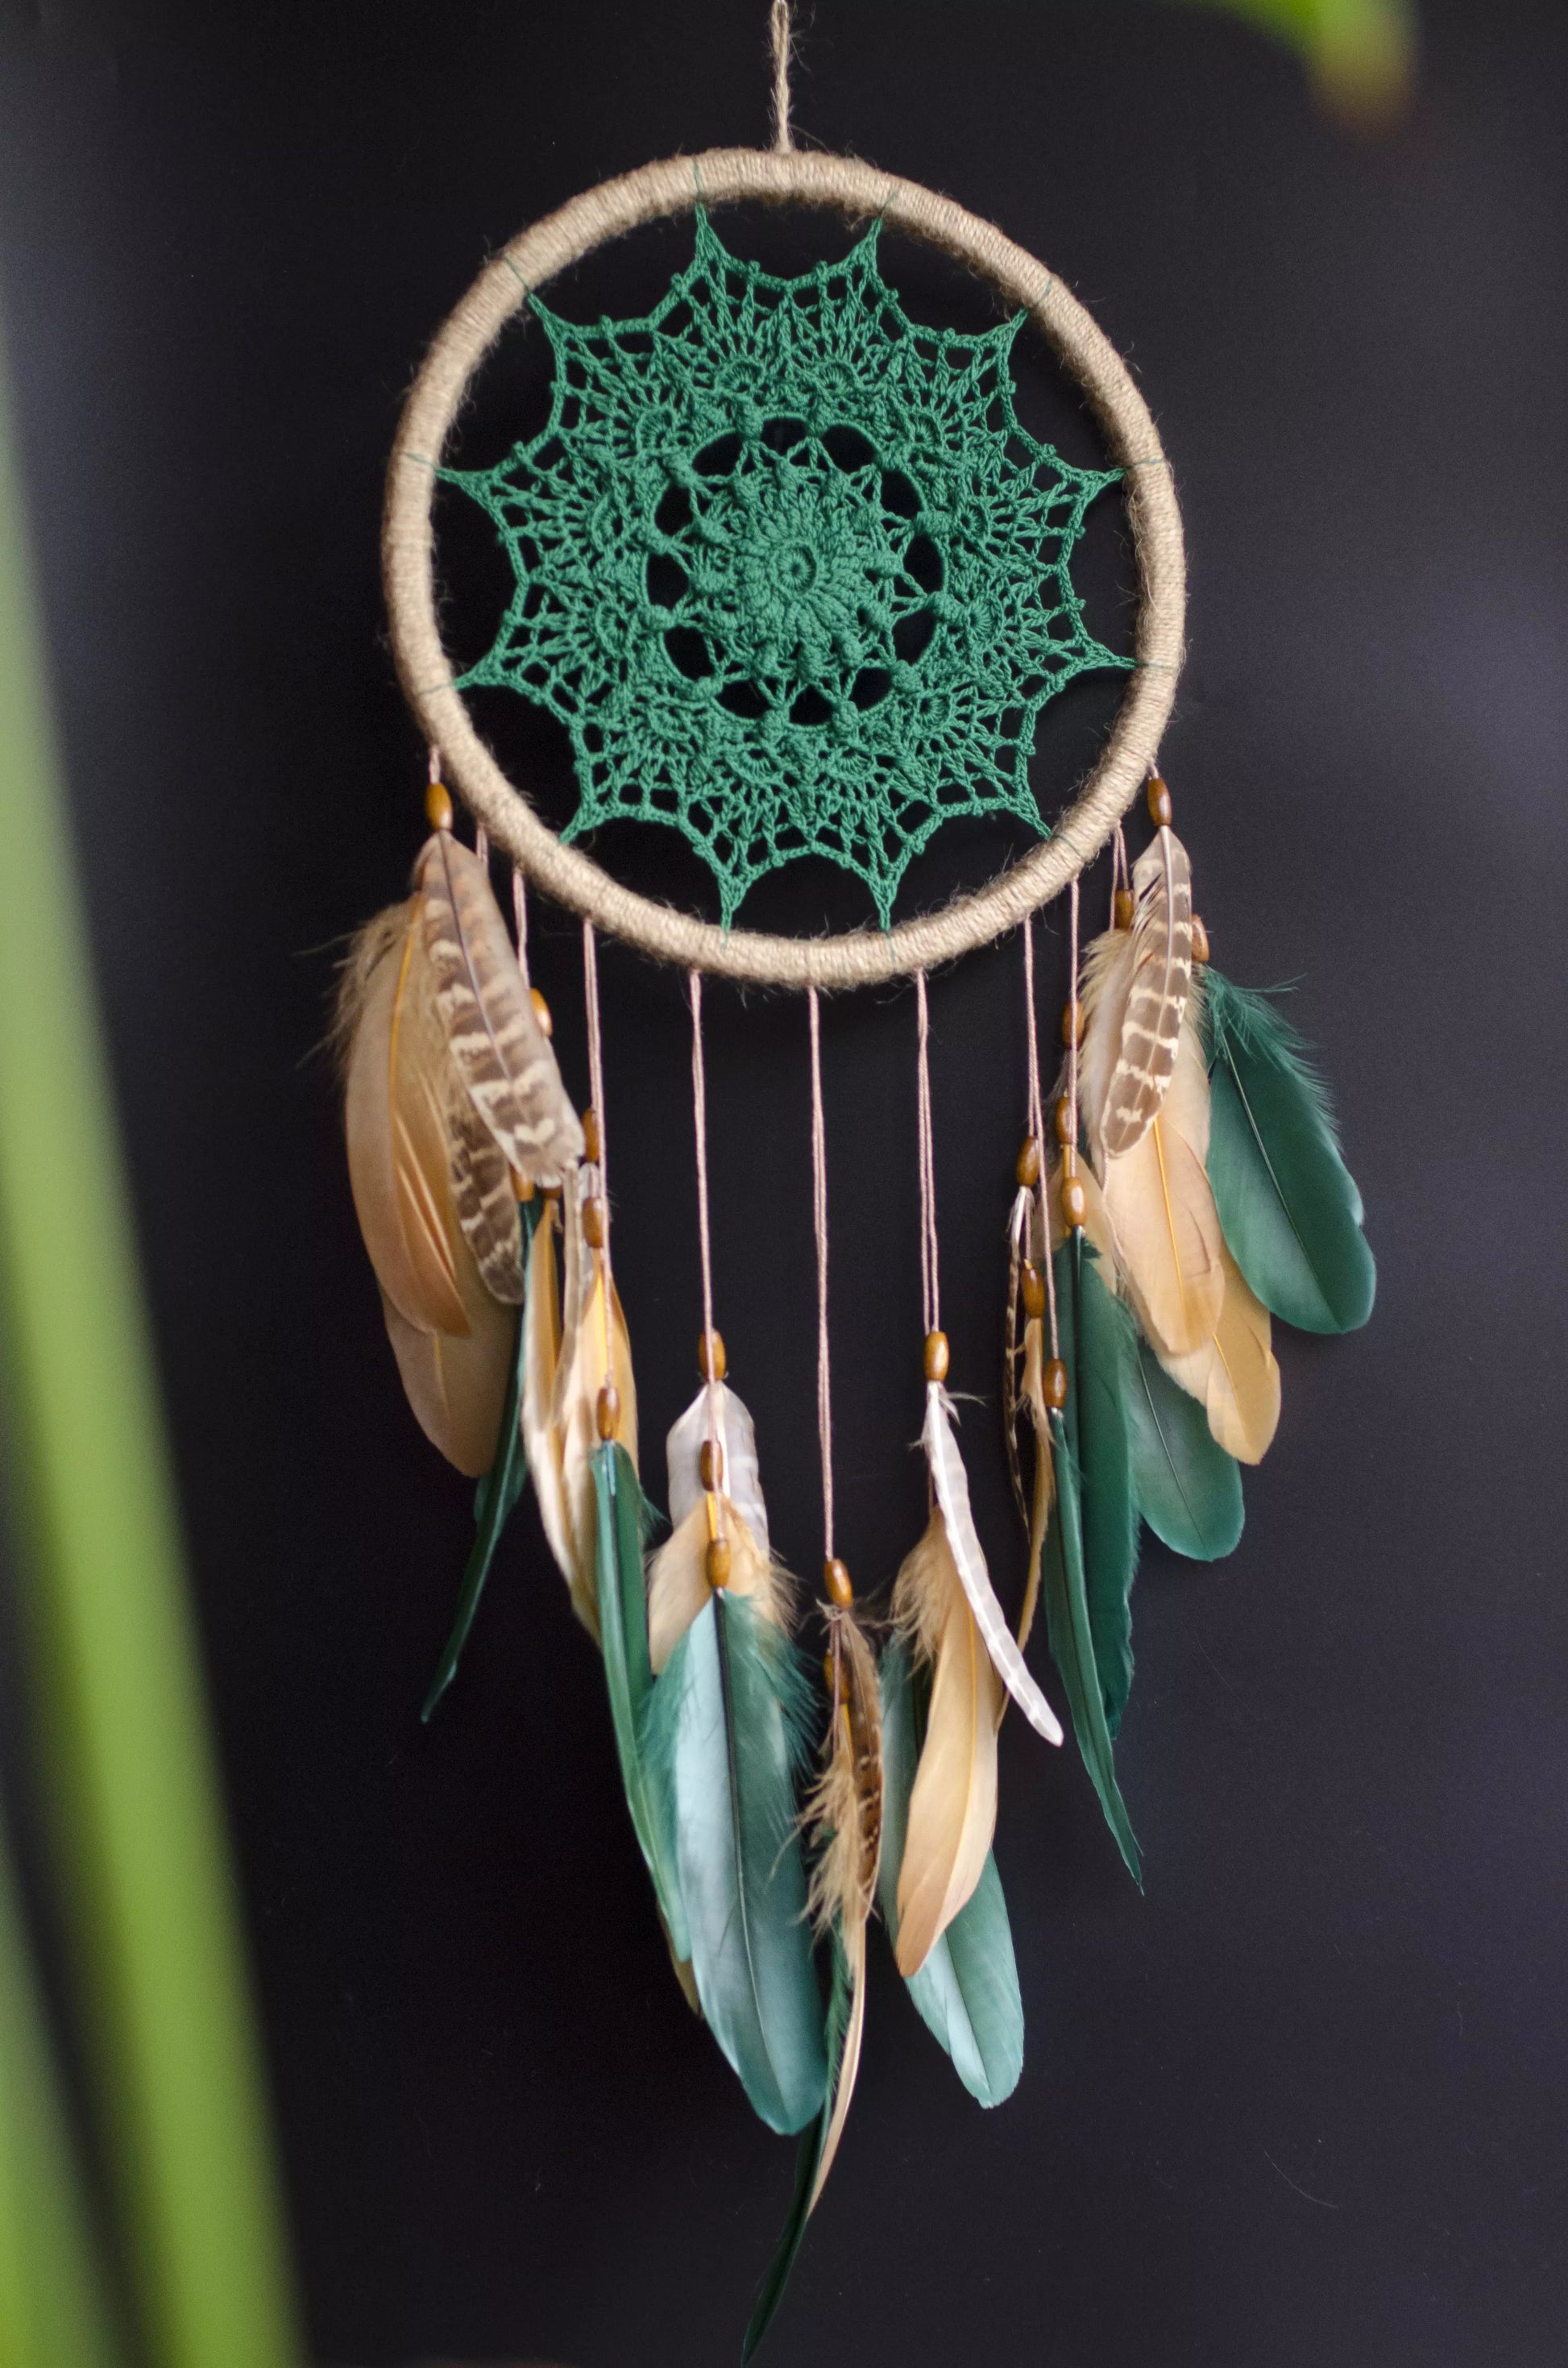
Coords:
128,1765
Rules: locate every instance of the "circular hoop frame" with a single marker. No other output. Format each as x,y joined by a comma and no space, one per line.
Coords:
858,191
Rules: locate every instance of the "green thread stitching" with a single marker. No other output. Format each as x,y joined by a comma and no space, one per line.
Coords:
788,570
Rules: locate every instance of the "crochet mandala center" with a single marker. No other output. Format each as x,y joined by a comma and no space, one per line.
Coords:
788,570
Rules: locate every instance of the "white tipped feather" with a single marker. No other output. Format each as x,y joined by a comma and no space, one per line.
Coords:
951,1485
542,1355
741,1478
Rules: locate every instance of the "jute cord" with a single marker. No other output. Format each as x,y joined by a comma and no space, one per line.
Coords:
819,1227
856,191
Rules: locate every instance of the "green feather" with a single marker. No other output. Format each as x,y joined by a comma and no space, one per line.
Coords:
725,1731
1072,1642
1289,1204
1100,1345
623,1634
807,2162
495,1497
1188,1489
967,1991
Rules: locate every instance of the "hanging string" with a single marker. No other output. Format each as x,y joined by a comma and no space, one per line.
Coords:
1037,1128
597,1089
819,1225
782,33
1072,1046
704,1237
930,1282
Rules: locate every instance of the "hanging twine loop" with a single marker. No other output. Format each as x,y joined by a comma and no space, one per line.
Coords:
781,31
819,1227
711,1364
856,191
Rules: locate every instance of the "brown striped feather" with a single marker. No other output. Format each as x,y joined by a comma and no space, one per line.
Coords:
845,1814
488,1012
485,1198
1150,1030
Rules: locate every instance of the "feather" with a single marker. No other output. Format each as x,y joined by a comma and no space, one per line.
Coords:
951,1485
1161,1210
583,1371
1070,1631
494,1500
845,1814
1099,1348
487,1013
1234,1374
629,1676
1042,1490
456,1383
724,1732
967,1990
1150,978
1188,1489
844,2000
1290,1208
1011,1348
484,1194
952,1804
542,1355
395,1099
741,1478
677,1577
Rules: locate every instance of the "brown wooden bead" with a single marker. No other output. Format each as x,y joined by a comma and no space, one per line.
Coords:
705,1471
1053,1381
608,1411
710,1359
829,1674
591,1135
523,1187
836,1579
1073,1023
935,1356
1199,940
718,1562
439,807
1159,799
1028,1168
1123,908
542,1012
552,1192
593,1225
1062,1118
1074,1203
1033,1289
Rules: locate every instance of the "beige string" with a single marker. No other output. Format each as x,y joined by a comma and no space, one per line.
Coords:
844,186
819,1226
597,1089
520,914
700,1129
1072,1046
1037,1128
930,1281
783,37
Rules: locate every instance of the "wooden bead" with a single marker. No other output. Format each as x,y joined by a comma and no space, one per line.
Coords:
523,1187
439,807
1073,1023
1199,940
1033,1289
542,1012
1123,908
591,1135
829,1674
608,1411
1062,1118
711,1358
718,1562
1159,799
935,1356
1074,1203
1054,1383
705,1471
1028,1168
595,1224
836,1579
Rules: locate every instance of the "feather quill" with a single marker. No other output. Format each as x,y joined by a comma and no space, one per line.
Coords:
487,1013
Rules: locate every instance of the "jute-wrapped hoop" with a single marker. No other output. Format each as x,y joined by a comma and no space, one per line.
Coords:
858,191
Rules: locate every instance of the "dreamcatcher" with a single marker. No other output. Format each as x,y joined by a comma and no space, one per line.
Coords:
796,581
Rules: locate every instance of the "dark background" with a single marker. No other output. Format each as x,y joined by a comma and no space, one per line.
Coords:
1304,2103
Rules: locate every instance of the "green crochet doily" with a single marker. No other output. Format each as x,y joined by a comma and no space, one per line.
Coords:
788,570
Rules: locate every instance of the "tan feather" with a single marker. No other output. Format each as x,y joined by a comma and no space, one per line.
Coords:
845,1814
952,1805
1161,1207
949,1483
1042,1494
678,1578
487,1013
1156,985
579,1382
542,1355
395,1101
1233,1375
456,1383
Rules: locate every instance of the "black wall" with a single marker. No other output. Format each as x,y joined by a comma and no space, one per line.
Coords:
1305,2102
